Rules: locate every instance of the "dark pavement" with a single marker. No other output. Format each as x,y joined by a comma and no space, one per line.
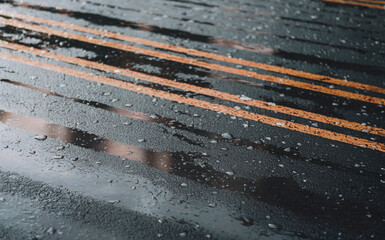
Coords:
192,119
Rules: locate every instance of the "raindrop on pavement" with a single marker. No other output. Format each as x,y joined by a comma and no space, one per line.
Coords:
51,231
40,137
273,226
245,98
226,136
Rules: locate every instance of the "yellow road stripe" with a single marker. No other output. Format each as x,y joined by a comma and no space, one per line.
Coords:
201,104
212,66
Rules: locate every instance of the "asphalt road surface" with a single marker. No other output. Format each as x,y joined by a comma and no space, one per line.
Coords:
192,119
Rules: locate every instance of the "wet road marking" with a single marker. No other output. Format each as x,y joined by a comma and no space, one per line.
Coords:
357,4
372,1
192,88
173,123
125,47
198,53
284,124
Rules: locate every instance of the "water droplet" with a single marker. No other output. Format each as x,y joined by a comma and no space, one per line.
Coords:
245,98
273,226
226,136
51,230
40,137
60,148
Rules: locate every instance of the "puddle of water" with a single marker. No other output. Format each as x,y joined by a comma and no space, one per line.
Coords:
282,192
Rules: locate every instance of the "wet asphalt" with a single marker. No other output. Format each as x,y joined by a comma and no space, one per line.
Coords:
186,145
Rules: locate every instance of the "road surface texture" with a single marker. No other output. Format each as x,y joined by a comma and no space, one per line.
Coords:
192,119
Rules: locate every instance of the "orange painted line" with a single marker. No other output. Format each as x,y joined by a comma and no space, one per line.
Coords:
198,53
372,1
357,4
192,88
199,103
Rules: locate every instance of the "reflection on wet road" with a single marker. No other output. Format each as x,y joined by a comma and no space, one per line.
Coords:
243,119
